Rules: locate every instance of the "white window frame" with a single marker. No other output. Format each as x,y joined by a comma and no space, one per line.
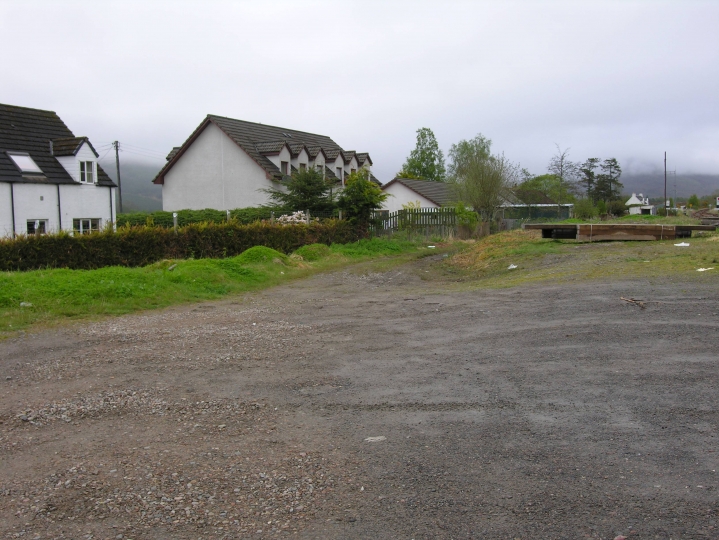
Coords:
78,225
83,172
36,225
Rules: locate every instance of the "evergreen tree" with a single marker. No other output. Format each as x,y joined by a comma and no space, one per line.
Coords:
305,190
608,187
360,197
588,177
426,161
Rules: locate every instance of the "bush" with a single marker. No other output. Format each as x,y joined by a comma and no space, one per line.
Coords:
585,209
142,245
617,208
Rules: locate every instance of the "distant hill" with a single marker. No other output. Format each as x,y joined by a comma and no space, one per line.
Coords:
652,184
138,191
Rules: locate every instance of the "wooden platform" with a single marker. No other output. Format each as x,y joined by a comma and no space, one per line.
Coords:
603,232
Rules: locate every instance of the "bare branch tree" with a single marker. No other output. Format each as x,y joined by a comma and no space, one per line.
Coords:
567,173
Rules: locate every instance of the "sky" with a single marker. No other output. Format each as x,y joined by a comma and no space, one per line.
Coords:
623,79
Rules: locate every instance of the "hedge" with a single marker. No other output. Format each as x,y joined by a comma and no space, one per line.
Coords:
208,215
140,246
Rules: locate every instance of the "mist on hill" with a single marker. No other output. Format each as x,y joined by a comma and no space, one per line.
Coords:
679,185
138,191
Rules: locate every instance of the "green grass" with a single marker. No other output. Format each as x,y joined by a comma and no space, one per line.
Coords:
486,262
52,296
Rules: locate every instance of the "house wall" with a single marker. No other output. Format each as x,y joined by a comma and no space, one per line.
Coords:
400,194
85,201
77,201
319,160
72,163
5,210
216,173
352,165
284,155
302,157
339,162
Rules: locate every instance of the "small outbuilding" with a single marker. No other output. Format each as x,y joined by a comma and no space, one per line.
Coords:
639,205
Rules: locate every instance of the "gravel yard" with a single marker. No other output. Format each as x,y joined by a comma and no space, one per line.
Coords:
372,405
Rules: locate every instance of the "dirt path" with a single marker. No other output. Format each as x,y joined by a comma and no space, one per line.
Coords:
536,412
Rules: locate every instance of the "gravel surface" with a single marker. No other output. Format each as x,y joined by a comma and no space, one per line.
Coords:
371,405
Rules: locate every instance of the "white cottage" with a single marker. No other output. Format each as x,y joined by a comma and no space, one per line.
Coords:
403,191
50,180
640,205
228,163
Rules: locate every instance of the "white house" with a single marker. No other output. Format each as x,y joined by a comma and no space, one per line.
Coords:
228,163
49,179
402,191
640,205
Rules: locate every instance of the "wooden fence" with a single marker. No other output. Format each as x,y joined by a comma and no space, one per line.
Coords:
425,221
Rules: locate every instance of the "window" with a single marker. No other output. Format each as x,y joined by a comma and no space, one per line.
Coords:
87,172
352,171
339,173
85,226
283,167
36,226
303,166
24,162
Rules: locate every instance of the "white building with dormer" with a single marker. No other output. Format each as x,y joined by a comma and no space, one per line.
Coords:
228,163
50,180
639,205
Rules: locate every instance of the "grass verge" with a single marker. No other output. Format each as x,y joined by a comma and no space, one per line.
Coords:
46,297
486,262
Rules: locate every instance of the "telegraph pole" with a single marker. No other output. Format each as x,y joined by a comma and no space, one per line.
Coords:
666,212
117,166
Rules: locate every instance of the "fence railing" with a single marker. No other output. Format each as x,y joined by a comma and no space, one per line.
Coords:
427,221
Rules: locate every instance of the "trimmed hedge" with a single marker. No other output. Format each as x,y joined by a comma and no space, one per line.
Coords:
208,215
140,246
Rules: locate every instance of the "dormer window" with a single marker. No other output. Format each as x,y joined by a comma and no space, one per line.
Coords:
24,162
87,172
303,166
283,167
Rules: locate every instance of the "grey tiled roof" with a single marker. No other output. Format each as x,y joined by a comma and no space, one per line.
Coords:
260,139
349,154
362,157
69,146
439,193
31,130
269,147
172,153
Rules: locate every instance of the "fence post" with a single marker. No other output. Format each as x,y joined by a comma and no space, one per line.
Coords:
228,215
308,216
174,221
272,217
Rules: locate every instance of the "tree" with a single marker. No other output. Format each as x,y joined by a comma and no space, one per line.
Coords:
693,202
306,190
464,151
608,187
482,182
426,161
565,173
360,197
588,178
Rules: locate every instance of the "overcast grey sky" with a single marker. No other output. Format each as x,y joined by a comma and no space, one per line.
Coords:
605,78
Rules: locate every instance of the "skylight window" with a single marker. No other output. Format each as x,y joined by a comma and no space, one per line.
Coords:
25,163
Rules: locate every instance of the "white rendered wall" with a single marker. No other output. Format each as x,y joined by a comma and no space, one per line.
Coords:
401,194
79,201
301,158
352,165
215,173
339,162
5,210
76,201
72,163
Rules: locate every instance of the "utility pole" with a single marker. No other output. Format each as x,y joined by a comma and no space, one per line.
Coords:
119,185
666,212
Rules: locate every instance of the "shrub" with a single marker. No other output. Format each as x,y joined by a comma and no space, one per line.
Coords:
585,209
140,246
189,217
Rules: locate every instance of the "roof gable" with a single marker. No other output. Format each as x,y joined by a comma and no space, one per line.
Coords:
31,130
439,193
256,140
